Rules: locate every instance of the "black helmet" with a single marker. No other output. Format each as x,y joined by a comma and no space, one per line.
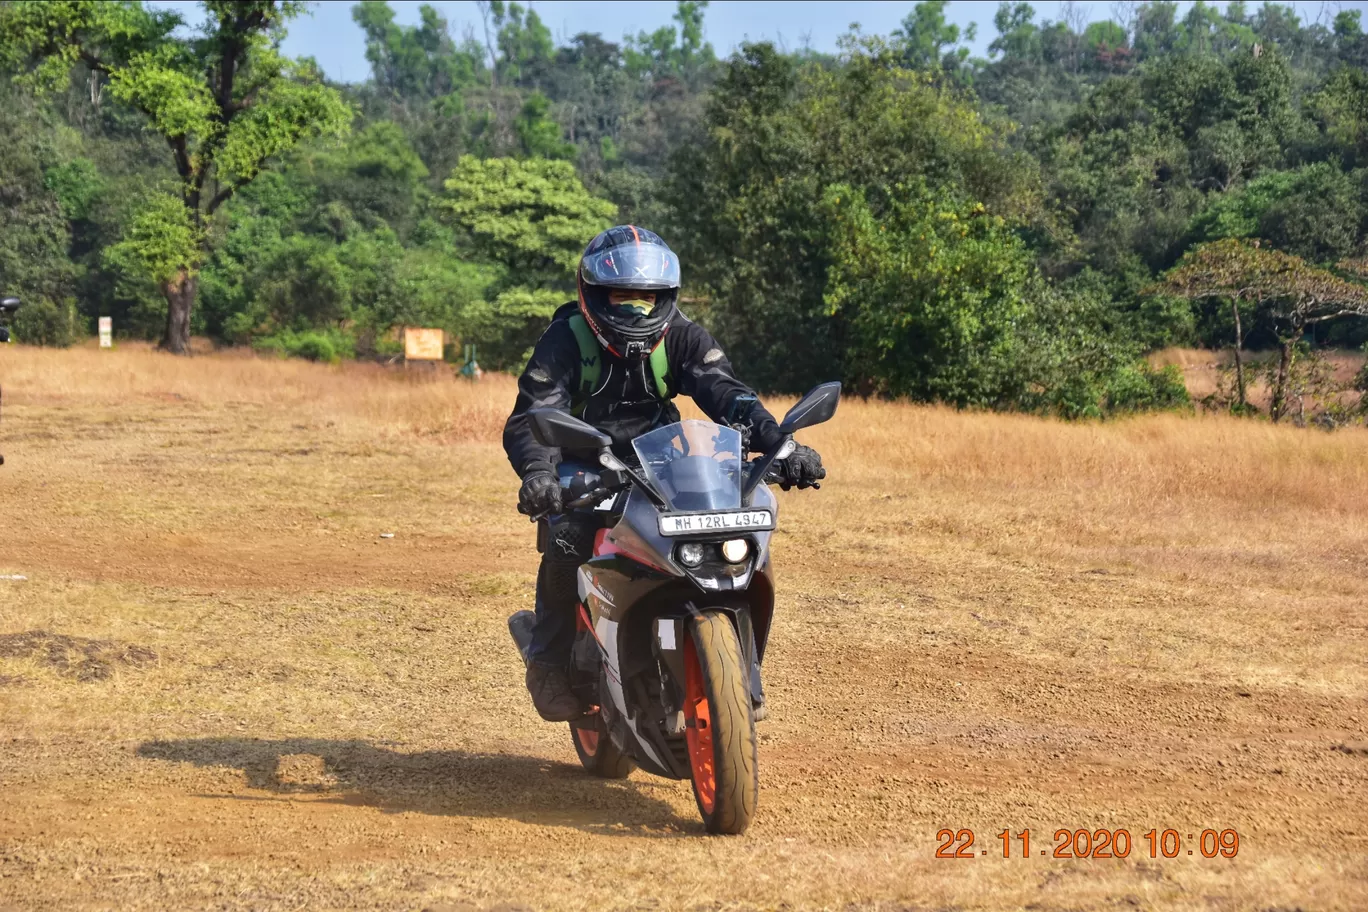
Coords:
628,258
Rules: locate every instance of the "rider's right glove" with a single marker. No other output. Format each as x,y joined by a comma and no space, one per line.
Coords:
802,467
540,492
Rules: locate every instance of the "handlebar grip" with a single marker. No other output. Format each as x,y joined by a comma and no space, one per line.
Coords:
783,483
534,517
591,497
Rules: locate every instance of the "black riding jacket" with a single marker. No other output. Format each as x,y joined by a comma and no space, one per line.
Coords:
626,405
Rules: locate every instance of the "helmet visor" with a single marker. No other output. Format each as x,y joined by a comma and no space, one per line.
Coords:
645,266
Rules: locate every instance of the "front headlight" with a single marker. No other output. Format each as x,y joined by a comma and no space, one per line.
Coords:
735,550
690,554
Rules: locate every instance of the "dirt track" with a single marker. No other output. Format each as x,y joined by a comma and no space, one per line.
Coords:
219,688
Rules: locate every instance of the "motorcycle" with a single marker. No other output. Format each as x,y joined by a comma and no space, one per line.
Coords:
675,603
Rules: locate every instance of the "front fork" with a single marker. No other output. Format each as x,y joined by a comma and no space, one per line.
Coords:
668,644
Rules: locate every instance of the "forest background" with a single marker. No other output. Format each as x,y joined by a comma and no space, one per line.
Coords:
1014,232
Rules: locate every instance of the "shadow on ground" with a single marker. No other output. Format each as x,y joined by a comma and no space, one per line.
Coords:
463,784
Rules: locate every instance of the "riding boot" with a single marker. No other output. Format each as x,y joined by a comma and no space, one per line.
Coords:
549,686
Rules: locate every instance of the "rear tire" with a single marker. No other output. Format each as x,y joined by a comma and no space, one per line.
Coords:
597,752
720,725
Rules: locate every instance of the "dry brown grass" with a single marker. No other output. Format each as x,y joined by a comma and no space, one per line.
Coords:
985,621
383,400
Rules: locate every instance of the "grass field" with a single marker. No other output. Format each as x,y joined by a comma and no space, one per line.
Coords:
221,688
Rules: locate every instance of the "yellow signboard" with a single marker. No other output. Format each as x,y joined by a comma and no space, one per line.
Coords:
422,344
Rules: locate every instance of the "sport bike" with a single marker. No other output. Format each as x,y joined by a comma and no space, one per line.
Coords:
675,602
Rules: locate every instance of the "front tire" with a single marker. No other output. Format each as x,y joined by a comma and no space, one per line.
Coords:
597,752
720,725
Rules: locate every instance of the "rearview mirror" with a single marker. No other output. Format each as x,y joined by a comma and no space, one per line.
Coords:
555,428
9,305
814,408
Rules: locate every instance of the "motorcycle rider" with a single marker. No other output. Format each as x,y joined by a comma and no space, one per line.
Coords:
616,357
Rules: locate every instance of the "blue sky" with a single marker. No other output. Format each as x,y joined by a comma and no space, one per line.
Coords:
329,35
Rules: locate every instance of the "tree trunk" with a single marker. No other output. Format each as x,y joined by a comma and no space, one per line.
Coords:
1239,359
1279,406
180,298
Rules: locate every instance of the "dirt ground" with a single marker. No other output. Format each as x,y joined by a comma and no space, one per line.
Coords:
221,688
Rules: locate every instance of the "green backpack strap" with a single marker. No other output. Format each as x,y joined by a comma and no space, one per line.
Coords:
660,369
591,365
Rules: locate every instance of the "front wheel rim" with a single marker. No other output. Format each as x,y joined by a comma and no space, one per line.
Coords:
698,731
588,739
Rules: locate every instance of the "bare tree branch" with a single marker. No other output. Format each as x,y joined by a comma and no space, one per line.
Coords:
182,155
224,194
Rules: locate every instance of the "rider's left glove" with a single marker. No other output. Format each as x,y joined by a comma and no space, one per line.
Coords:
540,493
802,467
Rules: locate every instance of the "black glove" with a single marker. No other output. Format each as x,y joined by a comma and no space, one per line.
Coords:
802,467
540,493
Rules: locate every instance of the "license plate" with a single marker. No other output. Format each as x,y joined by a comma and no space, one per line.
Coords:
704,523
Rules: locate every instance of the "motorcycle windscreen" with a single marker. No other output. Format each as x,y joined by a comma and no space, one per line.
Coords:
694,465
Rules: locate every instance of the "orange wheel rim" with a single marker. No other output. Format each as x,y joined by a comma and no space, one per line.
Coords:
699,732
588,739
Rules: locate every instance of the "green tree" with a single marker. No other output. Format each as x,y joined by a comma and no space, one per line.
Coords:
1157,30
34,234
759,233
864,222
597,99
1035,74
419,61
224,99
1350,41
1103,39
1341,105
929,42
933,293
163,244
525,46
376,174
42,322
1312,212
539,135
668,51
1018,36
532,218
1283,289
1149,162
